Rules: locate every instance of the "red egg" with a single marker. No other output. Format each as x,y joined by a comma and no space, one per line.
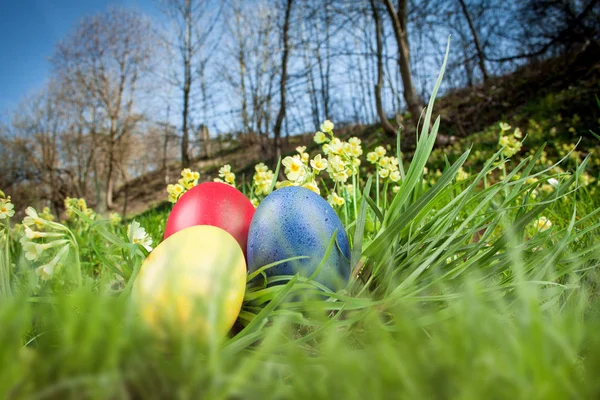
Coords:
216,204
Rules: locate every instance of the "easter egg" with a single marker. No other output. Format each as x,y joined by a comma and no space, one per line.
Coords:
193,283
294,221
216,204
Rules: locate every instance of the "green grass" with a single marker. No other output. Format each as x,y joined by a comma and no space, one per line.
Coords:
457,294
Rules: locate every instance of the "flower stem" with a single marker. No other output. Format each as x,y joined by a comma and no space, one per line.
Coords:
5,291
354,189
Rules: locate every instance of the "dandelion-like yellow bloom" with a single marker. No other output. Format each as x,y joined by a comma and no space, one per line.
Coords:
318,163
327,126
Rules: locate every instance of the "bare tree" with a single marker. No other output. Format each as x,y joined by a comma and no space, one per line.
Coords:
478,46
193,22
387,126
285,42
398,18
105,57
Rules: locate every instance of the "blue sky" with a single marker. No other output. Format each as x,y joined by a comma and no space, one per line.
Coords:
29,30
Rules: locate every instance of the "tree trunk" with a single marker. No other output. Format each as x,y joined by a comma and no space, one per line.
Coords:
480,54
385,123
413,102
109,175
283,82
187,84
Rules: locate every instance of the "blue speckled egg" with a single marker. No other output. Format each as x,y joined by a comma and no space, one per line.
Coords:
294,221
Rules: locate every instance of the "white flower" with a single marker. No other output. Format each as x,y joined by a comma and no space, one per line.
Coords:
553,181
138,235
46,271
33,250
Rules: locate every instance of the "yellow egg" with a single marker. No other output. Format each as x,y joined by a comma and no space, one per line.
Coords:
192,283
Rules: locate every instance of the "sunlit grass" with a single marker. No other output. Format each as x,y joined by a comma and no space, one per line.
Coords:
465,285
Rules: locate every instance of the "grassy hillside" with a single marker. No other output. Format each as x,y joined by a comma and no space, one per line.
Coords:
551,102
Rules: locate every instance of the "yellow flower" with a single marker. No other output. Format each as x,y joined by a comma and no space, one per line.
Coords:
327,126
543,224
356,151
318,163
305,157
380,151
81,204
261,167
384,173
372,157
294,169
336,163
461,175
396,189
254,202
283,184
340,176
384,162
320,137
301,149
32,218
354,141
6,209
230,178
46,214
312,185
115,218
335,200
504,126
395,176
187,174
518,134
335,146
